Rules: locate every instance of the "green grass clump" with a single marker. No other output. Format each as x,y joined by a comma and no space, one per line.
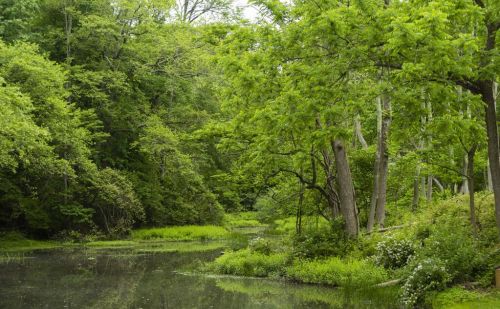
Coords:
461,298
252,264
242,219
181,233
337,272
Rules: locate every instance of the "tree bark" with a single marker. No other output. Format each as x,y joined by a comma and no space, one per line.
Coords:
376,170
384,161
486,88
359,132
464,188
416,188
346,190
470,180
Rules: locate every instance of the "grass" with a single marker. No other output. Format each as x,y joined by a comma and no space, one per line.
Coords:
337,272
181,233
461,298
167,239
242,220
16,242
332,271
250,264
157,246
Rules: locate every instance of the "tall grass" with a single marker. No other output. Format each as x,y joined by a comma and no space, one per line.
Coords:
337,272
181,233
242,219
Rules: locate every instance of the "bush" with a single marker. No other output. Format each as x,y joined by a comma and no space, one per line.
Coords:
322,242
428,275
249,263
394,253
337,272
261,245
460,253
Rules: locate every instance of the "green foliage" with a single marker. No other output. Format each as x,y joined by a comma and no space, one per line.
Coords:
337,272
321,242
250,263
394,253
427,275
181,233
453,296
242,219
116,205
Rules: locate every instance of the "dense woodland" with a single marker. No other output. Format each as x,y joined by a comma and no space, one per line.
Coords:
143,113
125,113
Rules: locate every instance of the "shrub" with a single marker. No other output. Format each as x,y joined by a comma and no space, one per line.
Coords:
322,242
428,275
249,263
394,253
337,272
261,245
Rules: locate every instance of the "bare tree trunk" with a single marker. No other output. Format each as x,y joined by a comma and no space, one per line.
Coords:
464,188
429,188
298,221
429,143
346,190
376,171
470,179
416,188
493,150
384,161
359,132
438,184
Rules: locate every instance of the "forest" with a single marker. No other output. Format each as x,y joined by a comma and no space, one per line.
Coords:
360,137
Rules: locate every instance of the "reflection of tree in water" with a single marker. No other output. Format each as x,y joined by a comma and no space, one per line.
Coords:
128,279
279,294
64,278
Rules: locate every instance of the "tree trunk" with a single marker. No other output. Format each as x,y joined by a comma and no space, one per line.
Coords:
384,161
359,132
486,88
346,190
416,189
470,180
438,184
298,221
464,188
376,170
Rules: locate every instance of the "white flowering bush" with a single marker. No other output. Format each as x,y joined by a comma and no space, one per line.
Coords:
427,275
394,253
261,245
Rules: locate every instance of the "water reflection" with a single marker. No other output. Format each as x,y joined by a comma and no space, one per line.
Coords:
81,278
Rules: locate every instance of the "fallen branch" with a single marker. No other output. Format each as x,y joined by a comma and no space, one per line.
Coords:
388,283
390,228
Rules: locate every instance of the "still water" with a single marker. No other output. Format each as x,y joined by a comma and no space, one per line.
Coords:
83,278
